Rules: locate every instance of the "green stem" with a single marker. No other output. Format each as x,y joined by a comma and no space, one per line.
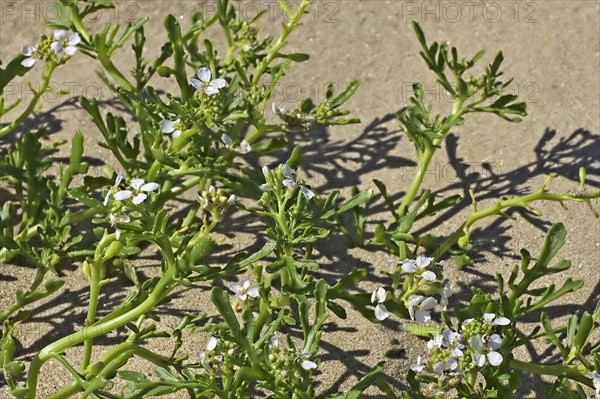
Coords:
162,289
576,373
95,283
37,94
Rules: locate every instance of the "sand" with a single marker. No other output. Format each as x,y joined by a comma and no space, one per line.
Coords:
551,49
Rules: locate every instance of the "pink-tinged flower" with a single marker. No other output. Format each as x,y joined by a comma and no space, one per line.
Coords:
204,82
65,42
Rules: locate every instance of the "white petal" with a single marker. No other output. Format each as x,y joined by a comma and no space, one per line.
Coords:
28,62
423,261
266,171
61,35
117,234
501,321
422,316
428,303
136,183
275,341
226,139
381,294
219,83
118,179
123,195
476,343
27,50
211,344
287,172
308,365
106,198
455,352
176,134
167,126
306,192
494,358
245,283
138,199
467,321
253,292
488,317
203,74
74,39
596,382
150,186
196,84
429,275
241,297
265,187
479,359
235,288
56,47
70,50
451,364
409,267
210,90
439,367
231,200
381,312
289,183
494,341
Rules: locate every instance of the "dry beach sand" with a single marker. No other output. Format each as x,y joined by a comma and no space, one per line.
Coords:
551,48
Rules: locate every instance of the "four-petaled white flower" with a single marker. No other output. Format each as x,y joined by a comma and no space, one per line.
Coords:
478,345
243,291
65,42
170,127
419,307
379,297
205,355
490,318
243,148
138,188
418,266
118,219
204,82
28,51
289,182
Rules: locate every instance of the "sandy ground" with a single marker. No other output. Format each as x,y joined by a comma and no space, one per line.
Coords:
551,49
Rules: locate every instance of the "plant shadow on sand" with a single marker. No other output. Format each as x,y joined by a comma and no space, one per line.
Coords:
338,165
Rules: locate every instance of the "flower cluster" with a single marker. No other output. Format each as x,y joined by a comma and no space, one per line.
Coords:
452,354
295,121
204,82
378,297
289,365
215,202
59,48
288,179
138,192
218,357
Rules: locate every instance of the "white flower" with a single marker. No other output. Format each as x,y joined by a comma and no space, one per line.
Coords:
65,42
118,180
379,297
171,127
417,266
278,109
118,219
490,319
265,187
436,342
205,355
137,185
289,181
419,365
493,357
210,86
28,51
446,293
243,148
243,291
419,306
